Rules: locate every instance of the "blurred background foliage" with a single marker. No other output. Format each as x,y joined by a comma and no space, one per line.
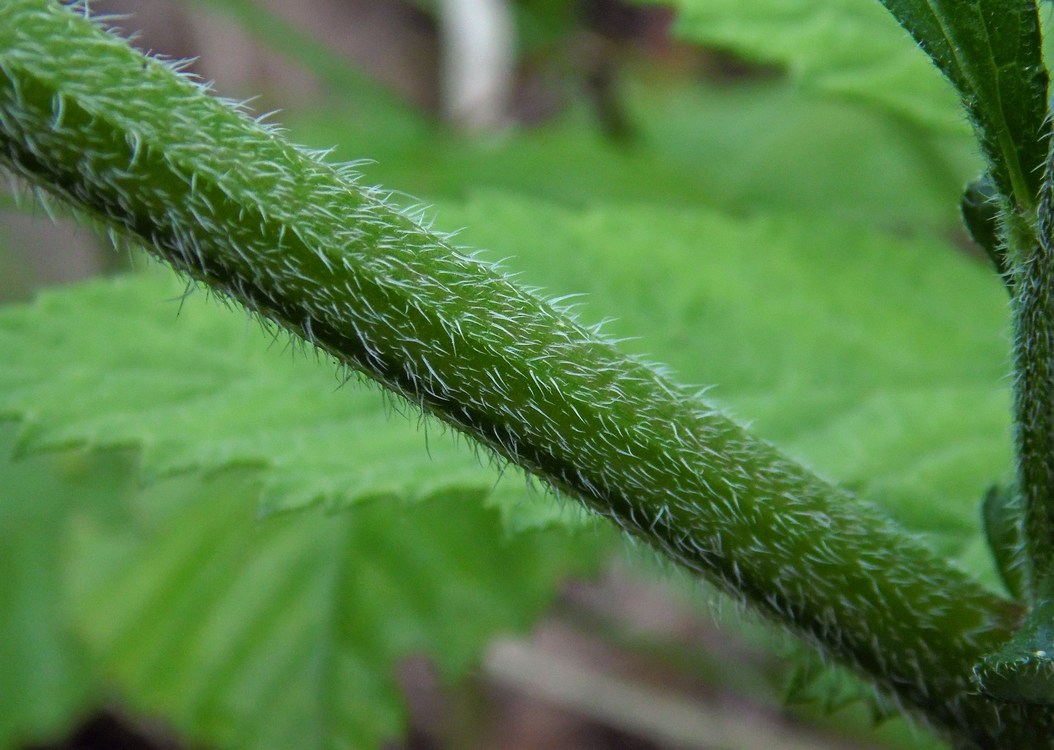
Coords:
756,112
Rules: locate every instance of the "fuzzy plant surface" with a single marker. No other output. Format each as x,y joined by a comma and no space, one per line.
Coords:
300,242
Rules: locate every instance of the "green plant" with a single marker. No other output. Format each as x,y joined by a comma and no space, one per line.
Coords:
298,241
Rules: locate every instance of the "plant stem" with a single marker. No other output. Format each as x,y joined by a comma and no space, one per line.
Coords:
295,239
1033,307
1023,669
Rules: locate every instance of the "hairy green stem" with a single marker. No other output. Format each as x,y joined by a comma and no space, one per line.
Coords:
1033,307
1023,669
295,239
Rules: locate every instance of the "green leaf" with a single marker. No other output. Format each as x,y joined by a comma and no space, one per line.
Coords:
710,145
991,50
196,388
239,632
980,210
244,633
846,48
541,24
288,632
1001,512
46,674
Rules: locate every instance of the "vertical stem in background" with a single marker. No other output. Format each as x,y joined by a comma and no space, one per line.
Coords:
1022,671
1034,406
478,49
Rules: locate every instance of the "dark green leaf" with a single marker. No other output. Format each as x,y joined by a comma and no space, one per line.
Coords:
991,50
1001,512
980,209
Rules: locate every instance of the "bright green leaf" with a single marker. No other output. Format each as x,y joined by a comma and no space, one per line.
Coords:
288,632
848,48
245,633
723,147
46,675
196,387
